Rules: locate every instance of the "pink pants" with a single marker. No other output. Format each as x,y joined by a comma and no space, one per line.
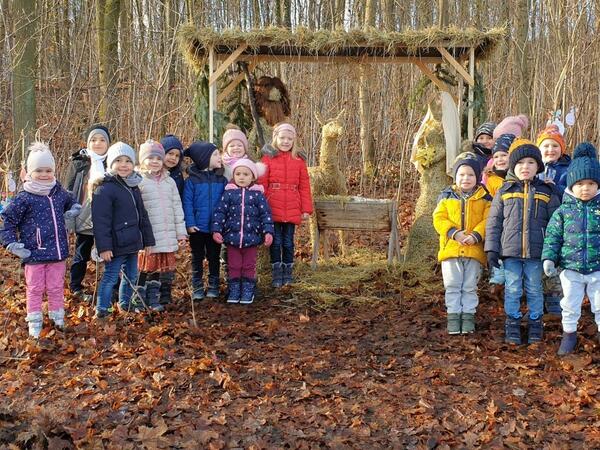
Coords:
48,278
241,262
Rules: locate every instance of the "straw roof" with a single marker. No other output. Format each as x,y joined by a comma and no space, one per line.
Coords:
302,44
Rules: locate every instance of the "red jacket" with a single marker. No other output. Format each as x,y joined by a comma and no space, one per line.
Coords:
287,187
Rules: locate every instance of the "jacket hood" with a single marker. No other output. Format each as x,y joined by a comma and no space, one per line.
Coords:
569,197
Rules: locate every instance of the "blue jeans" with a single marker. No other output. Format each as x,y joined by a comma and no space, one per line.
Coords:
282,249
519,272
111,276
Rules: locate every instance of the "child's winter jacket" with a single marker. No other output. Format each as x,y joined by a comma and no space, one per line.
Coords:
243,217
121,222
287,187
455,212
518,218
38,222
560,173
201,195
573,235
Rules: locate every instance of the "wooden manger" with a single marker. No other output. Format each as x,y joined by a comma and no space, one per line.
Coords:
357,214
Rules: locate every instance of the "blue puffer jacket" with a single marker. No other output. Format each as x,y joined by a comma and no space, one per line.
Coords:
559,168
38,222
120,220
201,195
243,217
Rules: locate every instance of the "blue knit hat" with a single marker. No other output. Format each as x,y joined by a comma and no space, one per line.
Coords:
170,141
467,159
200,153
503,143
524,148
584,166
485,128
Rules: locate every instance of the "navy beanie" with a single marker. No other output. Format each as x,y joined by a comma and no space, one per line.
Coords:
485,128
584,166
200,153
503,143
525,150
472,163
170,141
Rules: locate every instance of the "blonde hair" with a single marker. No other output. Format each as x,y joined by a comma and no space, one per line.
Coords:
296,148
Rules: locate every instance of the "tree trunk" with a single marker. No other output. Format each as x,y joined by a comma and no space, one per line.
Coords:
522,54
366,131
287,13
442,13
108,43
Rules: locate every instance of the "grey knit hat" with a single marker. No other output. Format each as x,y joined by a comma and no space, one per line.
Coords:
119,149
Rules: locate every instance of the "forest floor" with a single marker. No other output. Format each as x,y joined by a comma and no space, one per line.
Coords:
374,368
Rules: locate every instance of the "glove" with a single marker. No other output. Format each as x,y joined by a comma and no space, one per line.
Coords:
268,239
95,256
18,249
550,268
493,259
73,212
218,238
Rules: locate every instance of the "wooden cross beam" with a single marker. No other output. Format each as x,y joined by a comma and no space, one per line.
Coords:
457,66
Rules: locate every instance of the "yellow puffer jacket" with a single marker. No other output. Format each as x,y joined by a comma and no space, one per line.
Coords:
454,213
493,183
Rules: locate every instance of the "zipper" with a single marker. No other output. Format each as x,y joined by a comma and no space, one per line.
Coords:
242,221
134,207
462,212
525,219
585,241
55,228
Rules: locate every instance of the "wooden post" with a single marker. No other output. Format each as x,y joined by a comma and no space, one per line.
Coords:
315,249
471,92
212,94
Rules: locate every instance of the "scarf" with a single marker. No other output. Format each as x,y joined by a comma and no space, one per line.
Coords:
38,187
97,169
230,160
132,180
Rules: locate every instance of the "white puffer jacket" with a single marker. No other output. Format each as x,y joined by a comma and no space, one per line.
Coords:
162,201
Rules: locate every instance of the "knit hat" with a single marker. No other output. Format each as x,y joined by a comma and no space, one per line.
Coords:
283,127
551,132
584,166
524,148
119,149
200,153
245,162
97,129
170,141
503,143
468,160
232,135
39,156
151,148
512,125
485,128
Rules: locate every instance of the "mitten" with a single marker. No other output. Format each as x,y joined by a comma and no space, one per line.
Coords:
95,256
268,239
73,212
18,249
550,268
218,238
493,259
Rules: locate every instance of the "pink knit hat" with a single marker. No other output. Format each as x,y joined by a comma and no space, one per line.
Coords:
232,135
245,162
151,148
284,127
512,125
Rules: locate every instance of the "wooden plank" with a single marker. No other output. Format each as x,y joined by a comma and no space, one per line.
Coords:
212,95
225,64
340,59
470,127
333,215
429,74
315,253
237,80
458,66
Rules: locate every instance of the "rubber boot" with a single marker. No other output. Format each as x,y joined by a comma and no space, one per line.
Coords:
153,296
453,324
467,321
535,332
58,318
512,331
287,274
277,275
166,287
552,304
197,292
248,285
212,290
567,344
235,290
35,322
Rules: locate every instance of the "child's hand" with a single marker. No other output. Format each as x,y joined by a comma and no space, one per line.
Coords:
73,212
493,259
182,241
106,255
460,237
550,268
305,216
549,181
191,230
268,239
18,249
469,240
218,238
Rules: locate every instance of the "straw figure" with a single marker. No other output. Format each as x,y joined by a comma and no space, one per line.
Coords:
327,178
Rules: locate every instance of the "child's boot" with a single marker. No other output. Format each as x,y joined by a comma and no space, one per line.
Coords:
153,296
467,323
567,344
512,331
58,317
248,285
277,275
453,325
287,274
166,287
35,322
235,290
535,331
552,303
212,290
197,292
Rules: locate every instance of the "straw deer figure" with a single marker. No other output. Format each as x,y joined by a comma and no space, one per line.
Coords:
327,178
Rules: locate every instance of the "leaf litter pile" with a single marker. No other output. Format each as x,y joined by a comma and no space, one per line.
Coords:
352,356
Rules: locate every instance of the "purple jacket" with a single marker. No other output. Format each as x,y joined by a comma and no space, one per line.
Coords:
38,222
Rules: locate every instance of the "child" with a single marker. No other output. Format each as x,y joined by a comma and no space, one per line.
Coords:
287,188
514,232
173,160
243,221
235,146
87,165
35,231
162,202
459,218
121,226
573,242
515,125
556,162
201,195
484,135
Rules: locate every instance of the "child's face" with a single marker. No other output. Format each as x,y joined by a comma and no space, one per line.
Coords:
123,166
284,141
486,140
172,158
215,160
42,174
153,164
243,176
501,160
526,168
585,189
466,178
550,150
98,144
235,148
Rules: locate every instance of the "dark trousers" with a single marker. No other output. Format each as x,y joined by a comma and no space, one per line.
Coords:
83,251
203,246
282,249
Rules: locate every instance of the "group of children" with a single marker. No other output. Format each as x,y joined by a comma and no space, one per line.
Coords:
133,212
525,210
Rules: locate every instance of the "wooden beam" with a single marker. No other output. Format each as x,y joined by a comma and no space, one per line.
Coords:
458,66
237,80
225,64
338,59
429,74
471,93
212,94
